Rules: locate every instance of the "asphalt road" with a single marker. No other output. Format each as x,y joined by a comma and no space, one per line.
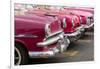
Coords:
81,50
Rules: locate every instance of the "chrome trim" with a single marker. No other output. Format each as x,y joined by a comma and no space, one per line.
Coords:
72,34
64,23
81,20
47,29
88,26
75,35
51,40
26,36
80,28
17,57
41,54
53,34
88,21
38,54
73,24
62,44
61,47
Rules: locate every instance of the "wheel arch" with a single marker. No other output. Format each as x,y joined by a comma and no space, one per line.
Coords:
22,45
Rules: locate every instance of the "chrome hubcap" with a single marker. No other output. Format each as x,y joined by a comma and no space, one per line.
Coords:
17,57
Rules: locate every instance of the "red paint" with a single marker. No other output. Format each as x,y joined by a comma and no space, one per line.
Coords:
60,14
34,25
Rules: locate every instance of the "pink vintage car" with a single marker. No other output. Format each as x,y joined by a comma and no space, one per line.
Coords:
87,18
37,36
91,10
73,29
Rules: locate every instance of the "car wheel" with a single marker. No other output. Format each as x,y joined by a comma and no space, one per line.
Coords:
21,56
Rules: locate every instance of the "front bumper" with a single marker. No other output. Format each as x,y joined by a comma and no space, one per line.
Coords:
81,28
75,35
61,44
43,54
89,26
51,40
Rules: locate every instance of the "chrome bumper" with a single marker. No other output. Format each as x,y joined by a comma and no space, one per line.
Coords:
88,26
75,35
81,28
42,54
61,45
51,40
52,51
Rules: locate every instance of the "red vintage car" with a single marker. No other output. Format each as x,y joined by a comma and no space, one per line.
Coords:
73,28
87,18
37,36
91,10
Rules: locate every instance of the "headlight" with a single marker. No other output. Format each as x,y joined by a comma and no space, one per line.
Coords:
64,23
81,19
47,30
73,24
88,21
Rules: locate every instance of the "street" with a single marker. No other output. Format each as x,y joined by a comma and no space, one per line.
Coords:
81,50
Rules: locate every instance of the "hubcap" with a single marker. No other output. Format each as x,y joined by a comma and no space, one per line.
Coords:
17,57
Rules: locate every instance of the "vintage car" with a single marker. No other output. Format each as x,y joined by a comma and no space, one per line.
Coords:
91,10
87,18
37,36
73,29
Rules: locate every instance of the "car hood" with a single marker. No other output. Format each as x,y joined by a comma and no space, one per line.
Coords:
82,9
81,13
35,19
